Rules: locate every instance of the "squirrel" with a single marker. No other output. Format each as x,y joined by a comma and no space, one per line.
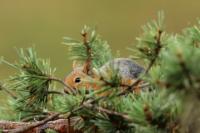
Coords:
126,69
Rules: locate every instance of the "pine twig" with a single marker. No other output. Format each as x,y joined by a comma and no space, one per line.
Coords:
152,62
56,92
184,68
87,65
67,88
107,111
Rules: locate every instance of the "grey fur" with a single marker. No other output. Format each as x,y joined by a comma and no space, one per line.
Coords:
125,67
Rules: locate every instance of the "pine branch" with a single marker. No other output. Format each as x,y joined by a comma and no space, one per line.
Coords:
92,52
157,50
32,78
107,111
88,62
59,125
152,62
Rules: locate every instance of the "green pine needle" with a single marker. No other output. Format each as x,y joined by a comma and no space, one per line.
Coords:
32,82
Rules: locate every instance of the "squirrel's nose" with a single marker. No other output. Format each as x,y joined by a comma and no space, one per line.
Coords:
66,90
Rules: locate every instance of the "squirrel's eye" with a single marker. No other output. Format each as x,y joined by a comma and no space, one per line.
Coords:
78,80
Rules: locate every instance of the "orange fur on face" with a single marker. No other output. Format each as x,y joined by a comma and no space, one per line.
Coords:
86,82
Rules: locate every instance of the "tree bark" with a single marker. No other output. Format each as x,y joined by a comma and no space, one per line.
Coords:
60,125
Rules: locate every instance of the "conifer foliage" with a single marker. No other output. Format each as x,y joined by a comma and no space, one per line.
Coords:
167,103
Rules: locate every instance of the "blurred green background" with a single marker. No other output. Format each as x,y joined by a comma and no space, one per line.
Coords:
43,23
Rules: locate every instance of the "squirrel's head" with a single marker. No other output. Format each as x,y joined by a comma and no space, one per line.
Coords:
78,79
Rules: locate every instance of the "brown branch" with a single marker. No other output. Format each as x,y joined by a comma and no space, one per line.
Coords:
87,65
60,125
33,125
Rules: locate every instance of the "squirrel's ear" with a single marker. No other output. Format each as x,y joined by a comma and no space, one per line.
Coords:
85,68
75,64
96,73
